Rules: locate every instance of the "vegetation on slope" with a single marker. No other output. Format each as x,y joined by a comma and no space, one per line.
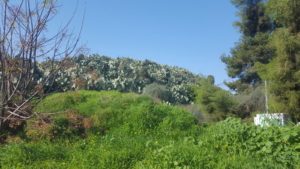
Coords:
97,72
109,129
132,131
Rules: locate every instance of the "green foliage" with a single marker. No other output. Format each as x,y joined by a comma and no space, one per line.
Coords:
240,64
270,54
213,100
252,17
255,27
139,133
282,73
123,74
110,110
249,103
157,92
227,144
66,128
285,13
283,70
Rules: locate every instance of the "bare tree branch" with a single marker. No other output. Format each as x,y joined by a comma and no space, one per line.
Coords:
24,43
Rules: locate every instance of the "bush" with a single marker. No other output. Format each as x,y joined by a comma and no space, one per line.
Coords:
157,91
213,100
140,133
111,111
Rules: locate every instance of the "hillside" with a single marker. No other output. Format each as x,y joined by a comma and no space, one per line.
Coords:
97,72
108,129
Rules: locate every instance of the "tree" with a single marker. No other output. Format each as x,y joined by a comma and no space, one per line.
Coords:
285,13
24,42
255,27
240,65
212,99
283,71
252,17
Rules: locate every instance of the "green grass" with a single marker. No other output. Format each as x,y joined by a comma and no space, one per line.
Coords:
132,131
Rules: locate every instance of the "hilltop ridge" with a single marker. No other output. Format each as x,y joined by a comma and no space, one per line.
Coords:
97,72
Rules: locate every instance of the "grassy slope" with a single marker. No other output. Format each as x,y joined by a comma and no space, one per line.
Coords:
131,131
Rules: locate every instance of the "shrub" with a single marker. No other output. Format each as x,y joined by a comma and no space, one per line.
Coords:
140,133
157,91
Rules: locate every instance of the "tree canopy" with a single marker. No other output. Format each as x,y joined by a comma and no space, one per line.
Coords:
271,54
255,27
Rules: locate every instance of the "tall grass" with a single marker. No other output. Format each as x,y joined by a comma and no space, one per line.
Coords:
139,133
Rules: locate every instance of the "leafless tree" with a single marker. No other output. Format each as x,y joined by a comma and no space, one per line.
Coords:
25,43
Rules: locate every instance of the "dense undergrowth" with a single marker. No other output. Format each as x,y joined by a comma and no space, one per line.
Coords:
88,129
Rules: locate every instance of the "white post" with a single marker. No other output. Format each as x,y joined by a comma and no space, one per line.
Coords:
266,97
